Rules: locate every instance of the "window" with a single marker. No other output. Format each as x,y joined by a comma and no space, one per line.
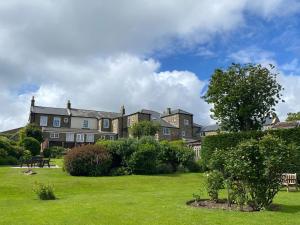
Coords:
54,135
186,122
85,124
43,121
128,121
56,122
166,131
66,120
111,137
69,137
79,137
183,133
90,138
105,123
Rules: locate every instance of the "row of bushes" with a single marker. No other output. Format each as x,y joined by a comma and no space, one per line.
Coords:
231,140
129,156
10,152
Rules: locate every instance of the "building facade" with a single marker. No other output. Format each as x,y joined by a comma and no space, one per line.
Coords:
69,127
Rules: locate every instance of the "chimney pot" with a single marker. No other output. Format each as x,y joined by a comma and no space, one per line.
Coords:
32,101
69,104
122,111
169,111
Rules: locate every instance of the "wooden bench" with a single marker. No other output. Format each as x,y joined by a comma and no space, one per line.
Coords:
289,180
36,161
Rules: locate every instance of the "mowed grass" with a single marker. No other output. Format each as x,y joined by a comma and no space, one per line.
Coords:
123,200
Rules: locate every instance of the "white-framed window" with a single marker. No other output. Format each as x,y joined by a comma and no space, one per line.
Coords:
105,123
66,120
54,135
79,137
56,121
90,138
85,124
183,133
166,131
111,137
43,121
69,137
186,122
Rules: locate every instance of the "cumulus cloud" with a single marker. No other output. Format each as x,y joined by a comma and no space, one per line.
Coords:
98,53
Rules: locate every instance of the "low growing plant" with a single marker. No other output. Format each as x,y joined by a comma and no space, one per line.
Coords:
44,191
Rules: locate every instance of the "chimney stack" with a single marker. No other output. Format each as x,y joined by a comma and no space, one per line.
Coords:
122,111
69,104
168,111
32,101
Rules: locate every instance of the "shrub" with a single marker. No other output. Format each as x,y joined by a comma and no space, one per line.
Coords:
44,192
194,166
145,159
31,144
31,130
214,184
88,160
119,171
144,128
53,152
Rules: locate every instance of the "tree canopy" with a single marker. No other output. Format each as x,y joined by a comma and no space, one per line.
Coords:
293,116
31,130
144,128
243,96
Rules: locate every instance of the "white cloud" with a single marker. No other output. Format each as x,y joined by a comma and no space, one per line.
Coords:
108,83
98,52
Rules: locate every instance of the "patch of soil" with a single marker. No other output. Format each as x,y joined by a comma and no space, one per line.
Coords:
220,204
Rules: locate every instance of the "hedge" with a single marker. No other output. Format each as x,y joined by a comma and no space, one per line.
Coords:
228,140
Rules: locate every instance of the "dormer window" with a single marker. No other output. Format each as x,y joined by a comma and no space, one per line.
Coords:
105,123
56,121
85,124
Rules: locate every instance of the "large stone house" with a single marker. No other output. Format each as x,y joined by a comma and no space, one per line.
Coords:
69,127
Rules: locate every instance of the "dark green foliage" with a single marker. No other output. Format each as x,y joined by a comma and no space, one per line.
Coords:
293,116
9,152
88,160
144,128
145,160
31,144
194,166
252,170
242,96
214,184
44,192
54,152
31,130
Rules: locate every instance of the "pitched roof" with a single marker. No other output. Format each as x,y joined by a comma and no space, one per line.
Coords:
73,112
49,110
176,111
214,127
286,125
156,117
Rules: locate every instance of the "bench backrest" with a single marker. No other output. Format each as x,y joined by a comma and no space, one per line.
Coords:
289,178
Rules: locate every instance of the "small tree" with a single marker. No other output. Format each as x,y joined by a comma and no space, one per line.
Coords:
144,128
31,130
242,96
293,116
31,144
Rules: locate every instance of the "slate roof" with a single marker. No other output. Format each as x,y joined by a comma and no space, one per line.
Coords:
50,110
176,111
214,127
156,117
74,112
286,125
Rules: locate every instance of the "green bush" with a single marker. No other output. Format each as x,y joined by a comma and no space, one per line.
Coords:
31,130
44,192
54,152
194,166
88,160
214,184
145,159
31,144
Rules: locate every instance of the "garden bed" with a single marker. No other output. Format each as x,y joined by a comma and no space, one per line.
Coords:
220,204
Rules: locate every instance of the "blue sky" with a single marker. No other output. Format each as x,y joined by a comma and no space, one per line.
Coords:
143,54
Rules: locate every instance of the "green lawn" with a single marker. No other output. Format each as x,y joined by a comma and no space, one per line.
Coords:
122,200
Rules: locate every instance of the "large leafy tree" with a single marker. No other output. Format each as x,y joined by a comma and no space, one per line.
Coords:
144,128
243,95
293,116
